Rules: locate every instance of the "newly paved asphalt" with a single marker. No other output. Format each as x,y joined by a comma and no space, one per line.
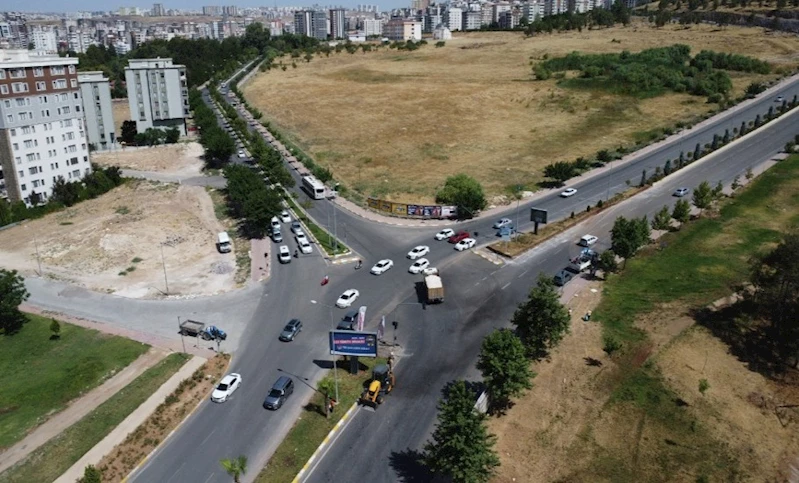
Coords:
438,344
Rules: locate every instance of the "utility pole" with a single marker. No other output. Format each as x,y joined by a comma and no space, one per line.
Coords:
518,202
163,263
182,340
38,258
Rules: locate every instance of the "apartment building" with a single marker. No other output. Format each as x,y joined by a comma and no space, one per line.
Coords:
497,9
533,10
472,20
157,94
44,40
158,10
400,29
372,27
311,23
454,19
42,135
95,91
337,23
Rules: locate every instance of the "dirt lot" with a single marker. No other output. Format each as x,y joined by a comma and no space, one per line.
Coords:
121,110
396,124
181,158
577,434
112,243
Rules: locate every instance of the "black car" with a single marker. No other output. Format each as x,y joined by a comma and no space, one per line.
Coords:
349,320
291,330
563,277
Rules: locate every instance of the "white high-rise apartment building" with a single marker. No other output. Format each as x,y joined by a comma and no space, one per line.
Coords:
95,91
44,40
454,19
372,27
157,94
497,10
42,135
79,40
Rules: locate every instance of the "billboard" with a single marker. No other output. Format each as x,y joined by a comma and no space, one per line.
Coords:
416,211
352,343
538,215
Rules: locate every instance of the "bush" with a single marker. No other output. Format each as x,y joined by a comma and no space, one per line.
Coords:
610,344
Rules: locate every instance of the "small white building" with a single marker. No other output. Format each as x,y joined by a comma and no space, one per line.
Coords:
441,32
357,37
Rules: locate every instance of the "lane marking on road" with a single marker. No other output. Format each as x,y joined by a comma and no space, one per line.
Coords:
176,472
522,274
206,438
209,477
482,279
505,286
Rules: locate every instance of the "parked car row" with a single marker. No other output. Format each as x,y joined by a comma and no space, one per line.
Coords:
303,244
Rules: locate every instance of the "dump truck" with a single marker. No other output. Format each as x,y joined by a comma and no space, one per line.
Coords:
435,289
192,328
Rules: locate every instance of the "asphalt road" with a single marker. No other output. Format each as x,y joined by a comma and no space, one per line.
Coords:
438,344
442,343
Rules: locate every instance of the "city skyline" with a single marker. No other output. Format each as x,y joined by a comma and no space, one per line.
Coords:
56,6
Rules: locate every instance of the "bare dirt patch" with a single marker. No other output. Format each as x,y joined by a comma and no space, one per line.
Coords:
112,243
413,118
121,461
121,111
181,158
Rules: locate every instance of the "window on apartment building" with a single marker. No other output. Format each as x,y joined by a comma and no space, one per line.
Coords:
21,173
63,97
45,112
71,69
17,73
83,146
36,183
2,73
7,103
41,85
76,95
3,89
33,169
66,109
18,160
85,159
57,70
42,99
38,72
38,157
18,87
72,148
14,132
73,83
15,146
67,122
23,187
28,143
10,118
76,173
23,116
73,161
20,101
60,84
30,157
77,108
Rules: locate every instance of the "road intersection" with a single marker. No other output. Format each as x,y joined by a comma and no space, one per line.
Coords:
439,343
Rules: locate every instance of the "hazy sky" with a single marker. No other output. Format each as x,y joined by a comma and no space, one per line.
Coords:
91,5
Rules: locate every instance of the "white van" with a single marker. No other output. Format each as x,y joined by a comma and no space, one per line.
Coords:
223,242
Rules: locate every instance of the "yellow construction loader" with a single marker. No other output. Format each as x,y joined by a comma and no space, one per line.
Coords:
382,383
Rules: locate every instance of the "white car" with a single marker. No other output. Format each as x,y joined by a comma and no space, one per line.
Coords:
502,222
382,266
275,223
430,271
419,265
568,192
304,244
241,153
347,298
226,388
284,254
419,251
465,244
296,227
285,217
587,240
445,234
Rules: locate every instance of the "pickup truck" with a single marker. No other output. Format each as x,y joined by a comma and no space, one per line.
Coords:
582,262
435,289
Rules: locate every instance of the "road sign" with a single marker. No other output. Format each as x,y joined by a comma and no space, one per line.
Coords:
353,343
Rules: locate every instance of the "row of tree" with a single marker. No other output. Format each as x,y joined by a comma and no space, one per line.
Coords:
65,193
217,144
250,200
596,18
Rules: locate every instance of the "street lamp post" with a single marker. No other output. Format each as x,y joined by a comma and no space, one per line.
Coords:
332,327
518,202
38,258
163,263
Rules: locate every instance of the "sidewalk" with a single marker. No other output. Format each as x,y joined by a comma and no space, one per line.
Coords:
497,211
260,261
133,421
79,408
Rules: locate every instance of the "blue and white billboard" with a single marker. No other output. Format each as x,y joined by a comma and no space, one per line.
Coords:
352,343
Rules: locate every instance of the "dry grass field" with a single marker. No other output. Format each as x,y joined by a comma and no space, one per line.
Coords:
396,124
121,110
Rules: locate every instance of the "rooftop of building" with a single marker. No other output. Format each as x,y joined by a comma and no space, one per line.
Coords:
14,58
158,63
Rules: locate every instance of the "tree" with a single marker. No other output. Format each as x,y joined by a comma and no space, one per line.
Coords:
235,467
775,276
91,474
128,132
5,213
703,196
667,168
172,135
55,328
219,147
505,368
12,294
697,152
703,386
541,321
327,387
625,238
66,193
560,171
681,160
607,263
460,446
643,179
681,212
718,191
603,156
742,131
464,192
662,219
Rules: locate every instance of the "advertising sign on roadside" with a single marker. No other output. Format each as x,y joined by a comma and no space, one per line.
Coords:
352,343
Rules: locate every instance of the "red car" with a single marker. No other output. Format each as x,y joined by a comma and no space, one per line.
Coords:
461,235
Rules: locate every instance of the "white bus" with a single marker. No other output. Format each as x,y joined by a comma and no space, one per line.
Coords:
314,187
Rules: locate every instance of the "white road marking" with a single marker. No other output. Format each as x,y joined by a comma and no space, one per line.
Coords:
505,286
176,472
331,443
206,438
522,274
209,478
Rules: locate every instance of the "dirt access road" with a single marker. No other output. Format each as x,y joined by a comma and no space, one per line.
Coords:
113,243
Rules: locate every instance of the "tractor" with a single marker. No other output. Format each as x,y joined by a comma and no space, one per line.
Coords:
381,384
